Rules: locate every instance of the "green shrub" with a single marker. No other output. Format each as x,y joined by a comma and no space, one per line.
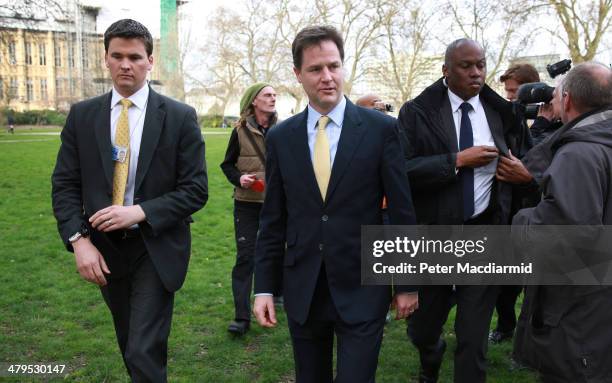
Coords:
35,117
216,121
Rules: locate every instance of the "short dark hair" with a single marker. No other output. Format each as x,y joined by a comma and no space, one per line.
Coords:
314,35
521,73
590,86
456,44
129,29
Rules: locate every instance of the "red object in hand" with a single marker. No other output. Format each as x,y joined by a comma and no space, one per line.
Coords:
258,186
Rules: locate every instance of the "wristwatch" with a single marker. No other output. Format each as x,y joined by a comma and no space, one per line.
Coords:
83,232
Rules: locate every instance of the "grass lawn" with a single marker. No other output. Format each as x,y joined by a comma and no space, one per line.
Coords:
49,314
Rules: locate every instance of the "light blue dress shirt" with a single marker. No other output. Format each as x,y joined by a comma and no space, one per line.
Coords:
333,129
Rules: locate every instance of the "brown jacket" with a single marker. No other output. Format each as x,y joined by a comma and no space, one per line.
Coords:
249,161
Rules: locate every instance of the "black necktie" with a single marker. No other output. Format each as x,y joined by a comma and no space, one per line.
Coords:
466,174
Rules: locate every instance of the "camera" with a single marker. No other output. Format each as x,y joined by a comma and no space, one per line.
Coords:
383,107
531,95
534,93
558,68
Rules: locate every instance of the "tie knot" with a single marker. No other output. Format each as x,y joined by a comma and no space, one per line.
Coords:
323,121
466,107
126,102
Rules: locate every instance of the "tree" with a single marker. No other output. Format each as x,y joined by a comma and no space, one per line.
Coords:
500,29
223,78
35,9
359,23
406,38
260,40
585,24
292,17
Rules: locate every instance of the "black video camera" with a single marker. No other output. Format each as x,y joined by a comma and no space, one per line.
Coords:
534,93
558,68
531,95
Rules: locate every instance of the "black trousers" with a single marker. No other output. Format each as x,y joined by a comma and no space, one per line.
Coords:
505,306
313,342
474,310
142,312
246,224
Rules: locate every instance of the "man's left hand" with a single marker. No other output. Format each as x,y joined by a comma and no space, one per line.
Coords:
510,169
117,217
405,304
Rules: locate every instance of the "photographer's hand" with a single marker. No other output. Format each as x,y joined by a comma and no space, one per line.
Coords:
511,169
546,111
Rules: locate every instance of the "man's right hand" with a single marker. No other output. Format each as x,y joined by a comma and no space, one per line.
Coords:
264,311
246,180
476,156
547,111
90,262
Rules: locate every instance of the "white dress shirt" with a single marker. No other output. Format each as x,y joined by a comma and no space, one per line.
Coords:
333,129
483,176
136,117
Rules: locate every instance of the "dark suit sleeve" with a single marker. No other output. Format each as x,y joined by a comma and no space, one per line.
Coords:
425,172
66,184
231,157
395,182
270,247
397,189
191,191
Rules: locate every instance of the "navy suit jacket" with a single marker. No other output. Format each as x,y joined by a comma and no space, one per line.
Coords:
299,231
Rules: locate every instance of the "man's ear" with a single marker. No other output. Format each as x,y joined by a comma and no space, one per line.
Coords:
567,102
150,67
298,74
444,70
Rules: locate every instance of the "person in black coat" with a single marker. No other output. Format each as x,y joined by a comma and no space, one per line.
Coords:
461,142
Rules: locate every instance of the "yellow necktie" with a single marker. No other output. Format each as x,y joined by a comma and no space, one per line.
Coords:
122,138
322,160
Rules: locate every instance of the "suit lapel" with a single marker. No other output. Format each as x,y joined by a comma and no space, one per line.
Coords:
350,136
103,137
496,127
449,131
301,153
153,124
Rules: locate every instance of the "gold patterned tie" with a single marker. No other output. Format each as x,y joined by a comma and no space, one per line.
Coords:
322,160
122,138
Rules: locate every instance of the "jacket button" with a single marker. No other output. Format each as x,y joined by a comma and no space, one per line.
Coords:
324,218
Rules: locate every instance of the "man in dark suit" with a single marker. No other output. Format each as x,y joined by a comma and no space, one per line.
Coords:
327,170
458,134
129,174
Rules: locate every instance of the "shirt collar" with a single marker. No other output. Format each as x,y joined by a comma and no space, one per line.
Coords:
336,115
139,99
456,101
